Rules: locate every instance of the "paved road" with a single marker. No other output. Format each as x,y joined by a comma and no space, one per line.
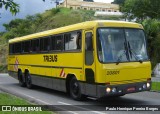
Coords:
45,96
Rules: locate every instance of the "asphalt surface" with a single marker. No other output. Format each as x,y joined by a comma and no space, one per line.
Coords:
62,101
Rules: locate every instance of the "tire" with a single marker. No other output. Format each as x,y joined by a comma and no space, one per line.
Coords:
28,81
75,89
21,79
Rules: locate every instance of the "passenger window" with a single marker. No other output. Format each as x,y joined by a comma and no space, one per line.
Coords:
26,46
59,42
46,44
73,40
17,47
35,45
10,48
53,40
41,44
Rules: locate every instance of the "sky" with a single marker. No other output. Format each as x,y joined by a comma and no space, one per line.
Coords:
30,7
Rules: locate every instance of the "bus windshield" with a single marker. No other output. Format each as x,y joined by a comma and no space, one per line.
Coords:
121,45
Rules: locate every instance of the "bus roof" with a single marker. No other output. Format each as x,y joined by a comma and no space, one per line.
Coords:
79,26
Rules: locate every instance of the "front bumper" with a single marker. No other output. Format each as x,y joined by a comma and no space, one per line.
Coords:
122,89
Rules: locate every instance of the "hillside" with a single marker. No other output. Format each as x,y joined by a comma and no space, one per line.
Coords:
50,19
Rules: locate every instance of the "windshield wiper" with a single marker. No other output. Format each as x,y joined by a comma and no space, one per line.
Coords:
124,53
132,52
120,57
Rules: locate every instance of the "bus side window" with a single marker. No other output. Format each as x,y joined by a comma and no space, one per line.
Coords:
88,49
67,40
46,43
18,47
53,40
73,40
26,46
41,44
59,42
10,48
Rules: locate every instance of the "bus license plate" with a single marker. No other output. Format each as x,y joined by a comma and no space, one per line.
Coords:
131,89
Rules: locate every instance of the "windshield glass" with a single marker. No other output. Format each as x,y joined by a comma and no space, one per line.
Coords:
137,45
117,44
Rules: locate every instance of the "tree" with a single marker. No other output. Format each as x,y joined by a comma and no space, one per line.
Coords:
141,9
152,29
9,4
13,6
120,2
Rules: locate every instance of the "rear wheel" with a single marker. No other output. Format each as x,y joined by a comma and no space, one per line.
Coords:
21,79
75,89
28,80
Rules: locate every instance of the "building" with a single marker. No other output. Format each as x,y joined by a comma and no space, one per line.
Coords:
90,5
88,0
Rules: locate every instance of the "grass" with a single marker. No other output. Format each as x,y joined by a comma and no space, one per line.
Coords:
6,99
155,86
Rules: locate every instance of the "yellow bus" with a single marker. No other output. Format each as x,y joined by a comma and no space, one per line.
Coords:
93,58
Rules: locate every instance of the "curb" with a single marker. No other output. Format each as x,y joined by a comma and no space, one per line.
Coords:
22,96
155,91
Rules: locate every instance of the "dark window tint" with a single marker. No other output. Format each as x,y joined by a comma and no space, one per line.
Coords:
59,42
46,44
26,46
53,40
11,48
35,45
17,48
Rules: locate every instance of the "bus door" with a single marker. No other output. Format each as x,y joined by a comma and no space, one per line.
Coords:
89,63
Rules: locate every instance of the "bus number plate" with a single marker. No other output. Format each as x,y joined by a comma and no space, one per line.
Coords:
113,72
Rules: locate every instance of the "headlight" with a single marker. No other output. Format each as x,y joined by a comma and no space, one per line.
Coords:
114,90
144,86
108,89
148,85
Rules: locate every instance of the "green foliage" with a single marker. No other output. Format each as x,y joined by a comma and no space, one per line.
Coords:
152,29
141,9
120,2
55,11
11,5
155,86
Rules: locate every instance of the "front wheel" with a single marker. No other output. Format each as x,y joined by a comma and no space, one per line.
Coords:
28,80
75,89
